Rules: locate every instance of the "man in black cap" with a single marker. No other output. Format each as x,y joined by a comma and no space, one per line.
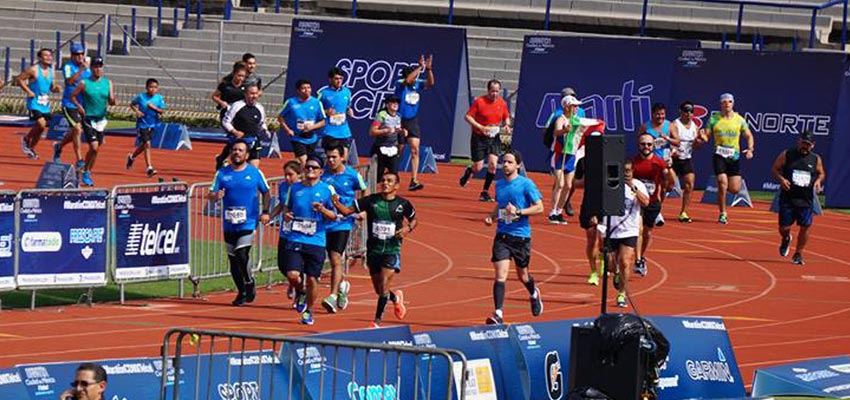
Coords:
800,174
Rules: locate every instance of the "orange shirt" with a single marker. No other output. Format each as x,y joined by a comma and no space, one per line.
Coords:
487,112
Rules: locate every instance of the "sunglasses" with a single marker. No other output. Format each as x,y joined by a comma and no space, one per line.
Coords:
83,384
312,167
645,144
688,110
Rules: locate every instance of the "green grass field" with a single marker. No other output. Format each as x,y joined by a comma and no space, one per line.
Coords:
115,124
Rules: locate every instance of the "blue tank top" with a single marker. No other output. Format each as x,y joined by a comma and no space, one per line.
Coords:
41,87
662,147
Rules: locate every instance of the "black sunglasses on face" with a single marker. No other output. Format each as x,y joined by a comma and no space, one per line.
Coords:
645,144
83,384
312,167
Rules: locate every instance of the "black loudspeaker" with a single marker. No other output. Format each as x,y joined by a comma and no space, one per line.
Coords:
619,375
603,182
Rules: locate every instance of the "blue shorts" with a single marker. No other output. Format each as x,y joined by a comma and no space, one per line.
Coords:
788,214
305,258
562,162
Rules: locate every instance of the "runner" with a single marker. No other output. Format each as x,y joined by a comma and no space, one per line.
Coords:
726,127
685,128
795,169
97,92
304,113
237,185
336,101
292,175
148,107
550,129
37,82
74,71
589,221
653,172
625,230
227,93
308,208
486,116
517,198
246,120
388,132
346,182
665,138
407,90
562,162
251,76
385,215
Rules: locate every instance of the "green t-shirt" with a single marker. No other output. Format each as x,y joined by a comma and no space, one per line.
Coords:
384,218
95,97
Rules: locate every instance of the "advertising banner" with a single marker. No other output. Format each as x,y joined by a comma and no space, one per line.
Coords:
11,385
825,377
128,379
151,236
62,239
7,242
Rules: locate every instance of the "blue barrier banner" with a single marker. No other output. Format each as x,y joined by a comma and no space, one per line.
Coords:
62,239
170,136
58,127
837,170
7,241
826,377
11,385
616,79
372,56
129,379
152,236
775,120
701,363
235,376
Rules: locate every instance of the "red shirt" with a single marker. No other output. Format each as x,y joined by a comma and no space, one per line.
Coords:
487,112
651,172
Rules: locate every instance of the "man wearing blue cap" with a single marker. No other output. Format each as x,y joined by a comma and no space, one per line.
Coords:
726,127
97,93
74,71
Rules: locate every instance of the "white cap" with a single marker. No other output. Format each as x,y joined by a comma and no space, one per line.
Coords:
570,101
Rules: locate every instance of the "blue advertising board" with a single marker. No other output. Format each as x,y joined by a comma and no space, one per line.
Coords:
825,377
838,170
616,79
128,379
151,236
372,56
237,375
11,385
63,239
7,241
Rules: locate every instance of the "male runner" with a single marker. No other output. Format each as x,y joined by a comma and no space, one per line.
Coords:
665,138
346,182
726,127
336,101
486,116
302,118
653,172
246,120
685,128
237,185
562,162
385,215
800,173
41,84
517,198
74,71
388,132
148,106
97,92
407,90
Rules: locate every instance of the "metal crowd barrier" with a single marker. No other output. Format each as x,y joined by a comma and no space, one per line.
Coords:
209,364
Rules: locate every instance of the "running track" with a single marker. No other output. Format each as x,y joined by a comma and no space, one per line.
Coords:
776,312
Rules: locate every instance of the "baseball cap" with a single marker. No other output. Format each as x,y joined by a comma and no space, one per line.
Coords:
568,91
77,48
807,136
570,101
727,96
97,62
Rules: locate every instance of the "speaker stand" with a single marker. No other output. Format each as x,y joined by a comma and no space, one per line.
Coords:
606,249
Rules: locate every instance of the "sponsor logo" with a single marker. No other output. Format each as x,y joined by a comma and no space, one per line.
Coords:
41,242
86,252
10,378
668,382
86,235
239,391
128,369
308,29
488,334
7,207
142,240
310,356
772,122
539,45
84,204
812,376
35,376
843,368
385,392
799,370
712,371
124,202
692,58
30,207
526,333
6,245
554,375
704,325
255,359
839,388
772,186
423,340
370,82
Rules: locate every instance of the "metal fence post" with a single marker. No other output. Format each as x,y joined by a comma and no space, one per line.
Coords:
124,44
198,11
150,31
133,22
297,6
108,33
186,14
228,9
812,29
159,18
58,51
7,68
176,29
740,17
755,41
277,6
643,18
451,11
32,51
83,35
353,8
23,64
844,27
99,45
546,20
256,5
220,47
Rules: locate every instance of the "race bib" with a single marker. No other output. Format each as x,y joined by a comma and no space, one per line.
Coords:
43,100
383,230
667,154
236,215
389,151
492,130
506,216
302,125
650,186
801,178
304,226
411,98
287,226
99,125
725,151
337,119
660,142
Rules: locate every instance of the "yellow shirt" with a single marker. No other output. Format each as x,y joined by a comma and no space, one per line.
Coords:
727,131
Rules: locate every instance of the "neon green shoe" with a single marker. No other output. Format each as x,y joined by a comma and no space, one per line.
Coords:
593,279
621,300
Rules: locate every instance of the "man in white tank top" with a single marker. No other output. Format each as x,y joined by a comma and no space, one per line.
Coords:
686,129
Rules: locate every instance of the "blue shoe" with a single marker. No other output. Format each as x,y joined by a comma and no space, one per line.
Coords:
79,165
301,303
57,153
87,179
307,318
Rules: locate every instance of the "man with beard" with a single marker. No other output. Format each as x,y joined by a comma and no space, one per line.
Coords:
653,172
246,120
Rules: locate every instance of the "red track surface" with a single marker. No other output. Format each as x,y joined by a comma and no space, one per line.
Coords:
776,312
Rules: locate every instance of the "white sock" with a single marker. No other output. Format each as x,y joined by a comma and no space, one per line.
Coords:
498,313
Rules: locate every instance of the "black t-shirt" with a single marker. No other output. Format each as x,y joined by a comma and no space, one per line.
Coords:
801,170
384,218
229,94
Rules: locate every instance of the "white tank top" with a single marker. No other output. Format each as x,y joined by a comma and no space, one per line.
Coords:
687,135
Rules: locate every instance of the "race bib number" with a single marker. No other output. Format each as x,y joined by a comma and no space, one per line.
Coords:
287,226
236,215
304,226
302,125
411,98
506,216
725,151
383,230
667,155
650,186
492,130
43,100
660,142
337,119
801,178
389,151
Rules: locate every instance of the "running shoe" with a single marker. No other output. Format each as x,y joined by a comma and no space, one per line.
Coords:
250,293
239,301
398,308
130,160
659,220
150,172
640,266
464,179
28,151
329,303
301,303
554,219
57,152
569,210
485,197
307,318
374,324
87,181
785,245
683,217
494,319
723,219
798,259
536,303
415,185
621,300
594,278
342,296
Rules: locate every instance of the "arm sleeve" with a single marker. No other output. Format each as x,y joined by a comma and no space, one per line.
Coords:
263,184
533,193
362,204
262,116
360,182
409,211
137,101
473,109
227,121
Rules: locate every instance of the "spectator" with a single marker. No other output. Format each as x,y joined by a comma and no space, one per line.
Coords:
89,383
